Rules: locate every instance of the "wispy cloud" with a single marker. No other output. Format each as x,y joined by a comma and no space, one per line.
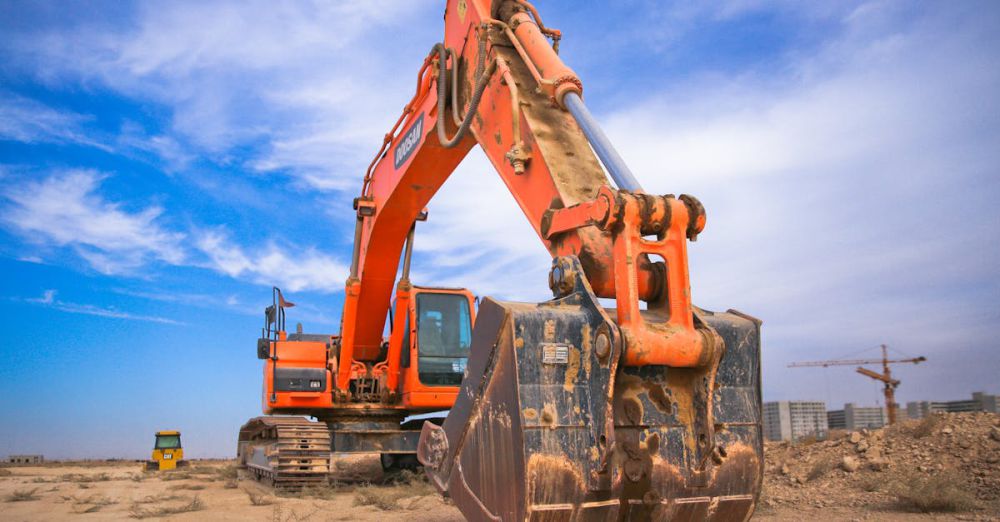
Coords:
288,268
48,299
28,121
300,82
65,210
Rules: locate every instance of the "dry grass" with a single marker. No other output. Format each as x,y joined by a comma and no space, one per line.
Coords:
406,484
22,495
943,492
258,498
926,426
140,512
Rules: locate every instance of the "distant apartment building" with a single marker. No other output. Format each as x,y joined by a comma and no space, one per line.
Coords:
792,420
980,402
856,417
25,459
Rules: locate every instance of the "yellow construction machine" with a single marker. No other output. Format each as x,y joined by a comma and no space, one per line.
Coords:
167,452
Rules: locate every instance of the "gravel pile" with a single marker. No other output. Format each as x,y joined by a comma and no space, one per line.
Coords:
946,462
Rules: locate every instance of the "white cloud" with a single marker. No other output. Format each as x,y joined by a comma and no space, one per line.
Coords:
289,268
65,210
48,299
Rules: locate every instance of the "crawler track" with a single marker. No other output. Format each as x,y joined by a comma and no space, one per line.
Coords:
287,453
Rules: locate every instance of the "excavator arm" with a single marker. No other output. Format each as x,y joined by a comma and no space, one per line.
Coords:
568,410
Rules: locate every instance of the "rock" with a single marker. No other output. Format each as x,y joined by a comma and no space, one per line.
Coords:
785,470
854,437
873,454
862,446
947,430
995,433
850,464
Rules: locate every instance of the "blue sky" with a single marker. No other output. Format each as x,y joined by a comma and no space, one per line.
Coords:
162,165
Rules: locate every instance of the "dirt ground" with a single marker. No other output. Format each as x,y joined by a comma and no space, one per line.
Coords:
950,462
208,490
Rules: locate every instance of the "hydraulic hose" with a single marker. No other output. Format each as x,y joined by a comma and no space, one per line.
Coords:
477,94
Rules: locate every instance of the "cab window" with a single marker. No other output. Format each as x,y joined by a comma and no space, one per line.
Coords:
168,441
444,335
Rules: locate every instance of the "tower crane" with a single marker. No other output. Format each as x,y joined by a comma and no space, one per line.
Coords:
889,384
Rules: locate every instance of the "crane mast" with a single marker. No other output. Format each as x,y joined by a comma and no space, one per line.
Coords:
889,384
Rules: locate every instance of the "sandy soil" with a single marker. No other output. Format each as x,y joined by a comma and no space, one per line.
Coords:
121,491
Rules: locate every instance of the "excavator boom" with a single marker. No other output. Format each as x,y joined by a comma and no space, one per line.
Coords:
567,410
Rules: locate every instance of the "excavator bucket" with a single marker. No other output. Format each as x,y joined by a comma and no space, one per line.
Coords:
547,426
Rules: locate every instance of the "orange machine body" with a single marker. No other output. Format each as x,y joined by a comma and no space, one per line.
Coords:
299,368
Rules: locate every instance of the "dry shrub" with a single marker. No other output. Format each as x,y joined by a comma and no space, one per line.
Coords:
176,475
278,514
227,472
403,485
22,495
926,426
91,504
137,511
806,440
258,498
191,487
83,485
414,483
870,483
152,499
4,472
327,492
946,491
80,478
384,498
820,468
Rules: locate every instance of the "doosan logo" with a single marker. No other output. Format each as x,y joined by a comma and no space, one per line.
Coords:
409,142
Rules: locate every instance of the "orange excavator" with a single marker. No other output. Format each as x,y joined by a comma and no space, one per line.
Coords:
560,410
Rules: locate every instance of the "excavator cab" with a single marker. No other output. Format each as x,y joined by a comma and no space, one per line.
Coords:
435,346
434,333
